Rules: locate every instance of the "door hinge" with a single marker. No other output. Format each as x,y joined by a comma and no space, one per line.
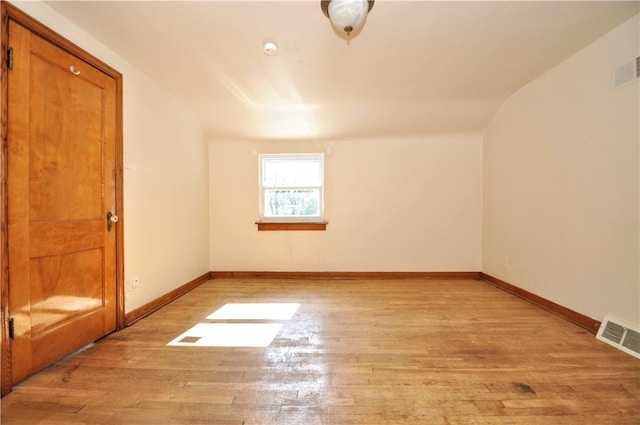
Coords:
12,331
10,58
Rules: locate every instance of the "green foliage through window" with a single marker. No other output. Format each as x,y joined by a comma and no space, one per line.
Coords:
292,202
291,186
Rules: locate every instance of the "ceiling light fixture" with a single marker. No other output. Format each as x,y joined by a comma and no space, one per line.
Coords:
346,16
270,48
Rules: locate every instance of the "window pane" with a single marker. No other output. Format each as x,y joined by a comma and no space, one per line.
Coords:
291,202
278,172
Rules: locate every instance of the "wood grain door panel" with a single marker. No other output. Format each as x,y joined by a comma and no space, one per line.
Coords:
61,184
64,287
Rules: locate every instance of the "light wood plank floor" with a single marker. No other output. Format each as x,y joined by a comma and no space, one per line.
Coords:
355,352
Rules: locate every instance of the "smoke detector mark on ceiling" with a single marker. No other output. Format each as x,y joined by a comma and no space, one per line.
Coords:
627,73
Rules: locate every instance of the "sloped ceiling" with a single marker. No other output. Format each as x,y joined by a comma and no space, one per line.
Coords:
417,67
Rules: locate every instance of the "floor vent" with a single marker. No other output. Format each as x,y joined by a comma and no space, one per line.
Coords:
620,335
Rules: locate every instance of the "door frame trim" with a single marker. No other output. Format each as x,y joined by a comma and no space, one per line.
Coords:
9,12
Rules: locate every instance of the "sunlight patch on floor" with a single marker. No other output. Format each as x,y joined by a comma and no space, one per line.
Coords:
228,335
255,311
241,334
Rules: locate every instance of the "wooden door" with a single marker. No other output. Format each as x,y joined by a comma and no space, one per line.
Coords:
61,173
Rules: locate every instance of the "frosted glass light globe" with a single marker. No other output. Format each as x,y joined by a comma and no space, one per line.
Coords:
348,15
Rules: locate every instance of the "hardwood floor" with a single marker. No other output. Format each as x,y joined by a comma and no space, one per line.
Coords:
355,352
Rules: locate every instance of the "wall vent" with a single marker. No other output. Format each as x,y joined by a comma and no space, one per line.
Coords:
620,335
627,73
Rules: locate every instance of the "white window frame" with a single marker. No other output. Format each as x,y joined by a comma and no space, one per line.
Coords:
263,189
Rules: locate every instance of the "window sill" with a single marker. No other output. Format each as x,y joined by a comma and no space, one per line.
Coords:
267,226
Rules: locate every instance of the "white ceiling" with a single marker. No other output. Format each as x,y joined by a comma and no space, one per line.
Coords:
417,67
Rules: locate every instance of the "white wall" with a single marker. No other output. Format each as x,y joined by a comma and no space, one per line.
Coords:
165,195
166,176
561,184
392,205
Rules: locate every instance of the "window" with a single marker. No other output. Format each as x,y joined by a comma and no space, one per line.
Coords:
291,188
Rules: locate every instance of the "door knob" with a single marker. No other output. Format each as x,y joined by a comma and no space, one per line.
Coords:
111,218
